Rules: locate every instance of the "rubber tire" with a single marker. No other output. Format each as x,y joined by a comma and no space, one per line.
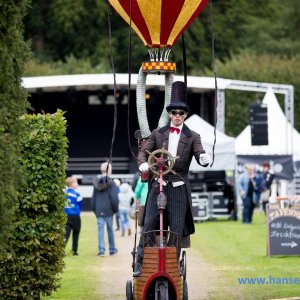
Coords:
183,265
185,291
161,289
129,294
163,293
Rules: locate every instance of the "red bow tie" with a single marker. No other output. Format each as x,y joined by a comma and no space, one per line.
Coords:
174,129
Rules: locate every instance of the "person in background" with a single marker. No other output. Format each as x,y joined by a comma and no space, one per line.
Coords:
258,187
246,185
125,196
118,183
104,204
268,178
141,192
229,195
135,179
73,207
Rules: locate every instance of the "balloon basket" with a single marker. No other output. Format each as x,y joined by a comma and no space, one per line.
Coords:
158,67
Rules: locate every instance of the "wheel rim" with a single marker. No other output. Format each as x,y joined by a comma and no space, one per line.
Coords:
160,153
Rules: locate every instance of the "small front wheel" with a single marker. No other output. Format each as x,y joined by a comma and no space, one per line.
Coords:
185,291
183,265
161,290
129,294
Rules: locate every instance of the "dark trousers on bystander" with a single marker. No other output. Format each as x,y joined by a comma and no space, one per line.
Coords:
248,208
73,224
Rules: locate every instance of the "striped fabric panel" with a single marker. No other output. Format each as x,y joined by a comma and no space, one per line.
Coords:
177,207
175,213
137,22
188,13
159,23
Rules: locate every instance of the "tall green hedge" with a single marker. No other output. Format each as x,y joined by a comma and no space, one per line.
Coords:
31,265
13,103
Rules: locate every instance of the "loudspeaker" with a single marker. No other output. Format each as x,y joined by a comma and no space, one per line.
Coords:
258,119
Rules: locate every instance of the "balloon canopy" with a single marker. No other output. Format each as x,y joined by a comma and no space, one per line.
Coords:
159,23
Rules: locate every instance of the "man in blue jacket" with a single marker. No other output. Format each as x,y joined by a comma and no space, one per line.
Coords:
73,206
104,204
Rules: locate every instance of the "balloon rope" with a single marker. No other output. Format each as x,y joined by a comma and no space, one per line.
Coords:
115,87
184,60
215,77
134,252
129,82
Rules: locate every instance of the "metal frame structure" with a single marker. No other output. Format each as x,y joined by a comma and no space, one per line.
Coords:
286,90
98,81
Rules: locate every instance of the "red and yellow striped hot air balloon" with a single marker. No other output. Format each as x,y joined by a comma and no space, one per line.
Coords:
159,23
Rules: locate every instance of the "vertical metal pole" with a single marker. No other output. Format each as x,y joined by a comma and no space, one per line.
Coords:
289,113
221,110
161,224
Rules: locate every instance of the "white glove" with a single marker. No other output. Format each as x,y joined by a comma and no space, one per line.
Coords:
144,167
204,159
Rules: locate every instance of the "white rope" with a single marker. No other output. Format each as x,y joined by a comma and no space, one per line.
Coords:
161,54
167,54
151,54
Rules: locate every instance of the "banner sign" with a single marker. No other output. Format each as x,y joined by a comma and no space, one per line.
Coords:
282,165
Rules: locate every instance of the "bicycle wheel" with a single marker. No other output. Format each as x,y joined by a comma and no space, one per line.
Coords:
129,294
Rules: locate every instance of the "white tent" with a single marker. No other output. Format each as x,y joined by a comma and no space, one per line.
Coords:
224,148
283,140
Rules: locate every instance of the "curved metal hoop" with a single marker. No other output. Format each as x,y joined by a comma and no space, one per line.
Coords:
141,102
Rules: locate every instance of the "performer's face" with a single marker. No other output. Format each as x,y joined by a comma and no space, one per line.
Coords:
177,116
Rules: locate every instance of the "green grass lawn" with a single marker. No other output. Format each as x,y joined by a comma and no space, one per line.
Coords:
234,250
81,278
239,250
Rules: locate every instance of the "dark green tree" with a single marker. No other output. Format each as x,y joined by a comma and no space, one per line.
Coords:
78,31
60,29
13,102
261,68
32,261
274,28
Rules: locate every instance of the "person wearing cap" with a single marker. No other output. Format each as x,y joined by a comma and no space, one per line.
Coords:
183,144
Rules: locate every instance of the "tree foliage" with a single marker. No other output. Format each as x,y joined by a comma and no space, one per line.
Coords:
61,29
13,102
34,257
261,68
70,66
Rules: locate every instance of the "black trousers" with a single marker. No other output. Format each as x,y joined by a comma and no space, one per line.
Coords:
73,224
177,204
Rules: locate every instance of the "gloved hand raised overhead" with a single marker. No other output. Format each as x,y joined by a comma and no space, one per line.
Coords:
144,167
204,159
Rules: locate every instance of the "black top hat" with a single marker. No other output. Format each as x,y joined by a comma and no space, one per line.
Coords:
178,97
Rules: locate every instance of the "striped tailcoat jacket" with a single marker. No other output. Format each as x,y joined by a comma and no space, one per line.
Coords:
189,145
